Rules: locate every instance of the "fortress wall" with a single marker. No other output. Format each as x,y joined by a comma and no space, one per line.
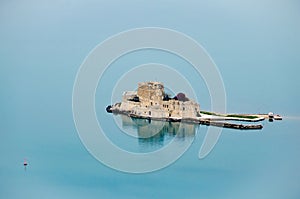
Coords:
151,103
128,95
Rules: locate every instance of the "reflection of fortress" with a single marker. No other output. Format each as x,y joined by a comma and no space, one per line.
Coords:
150,101
155,131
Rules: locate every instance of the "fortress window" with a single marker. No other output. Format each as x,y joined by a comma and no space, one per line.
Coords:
135,99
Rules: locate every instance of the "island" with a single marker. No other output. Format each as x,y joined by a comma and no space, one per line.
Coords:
151,102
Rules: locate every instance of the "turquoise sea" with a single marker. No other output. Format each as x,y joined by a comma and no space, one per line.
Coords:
255,45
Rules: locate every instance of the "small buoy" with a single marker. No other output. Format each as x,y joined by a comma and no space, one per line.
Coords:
25,163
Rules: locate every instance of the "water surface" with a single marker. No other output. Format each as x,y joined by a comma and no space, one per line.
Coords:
255,46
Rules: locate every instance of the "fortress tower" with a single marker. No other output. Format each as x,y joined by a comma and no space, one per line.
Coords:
150,91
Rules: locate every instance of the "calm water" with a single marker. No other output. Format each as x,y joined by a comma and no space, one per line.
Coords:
255,45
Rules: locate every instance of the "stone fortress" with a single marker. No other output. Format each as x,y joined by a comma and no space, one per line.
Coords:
151,101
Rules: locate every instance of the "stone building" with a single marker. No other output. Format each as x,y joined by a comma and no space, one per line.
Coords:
151,101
